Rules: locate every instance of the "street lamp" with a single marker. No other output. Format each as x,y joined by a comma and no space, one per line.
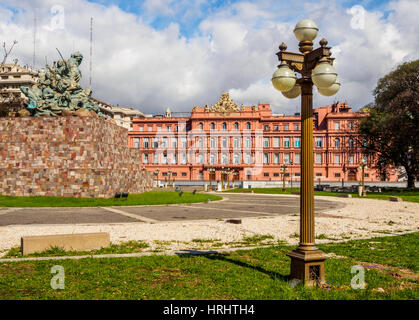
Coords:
222,177
283,170
314,66
363,166
156,173
169,173
230,180
291,172
211,170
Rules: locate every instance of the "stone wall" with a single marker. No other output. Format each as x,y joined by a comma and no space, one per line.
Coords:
68,156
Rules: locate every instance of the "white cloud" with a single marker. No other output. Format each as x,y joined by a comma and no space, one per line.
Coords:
233,49
161,7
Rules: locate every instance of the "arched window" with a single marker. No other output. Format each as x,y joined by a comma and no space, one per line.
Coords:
248,127
248,158
224,142
224,158
212,159
337,142
236,158
201,126
212,142
248,143
224,126
212,126
236,126
351,143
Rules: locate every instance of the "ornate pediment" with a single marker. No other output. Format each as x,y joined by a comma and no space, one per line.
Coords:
224,105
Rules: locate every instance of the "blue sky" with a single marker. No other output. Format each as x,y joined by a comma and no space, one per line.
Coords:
154,54
189,23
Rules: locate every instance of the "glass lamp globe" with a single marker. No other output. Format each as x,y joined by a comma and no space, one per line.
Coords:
324,75
293,93
330,91
284,78
306,30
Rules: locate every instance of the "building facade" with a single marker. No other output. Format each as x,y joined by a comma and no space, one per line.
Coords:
228,142
122,116
12,77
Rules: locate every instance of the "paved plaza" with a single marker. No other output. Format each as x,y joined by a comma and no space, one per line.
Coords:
232,206
175,227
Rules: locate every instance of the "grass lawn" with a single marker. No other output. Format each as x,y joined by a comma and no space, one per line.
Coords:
246,274
146,198
405,194
142,246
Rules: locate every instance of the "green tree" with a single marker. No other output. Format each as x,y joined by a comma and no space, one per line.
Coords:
391,131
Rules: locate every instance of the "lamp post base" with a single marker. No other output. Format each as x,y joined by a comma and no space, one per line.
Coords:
307,266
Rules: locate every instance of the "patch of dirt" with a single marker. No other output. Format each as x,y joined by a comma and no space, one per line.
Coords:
335,256
17,269
404,285
172,270
397,273
248,258
326,215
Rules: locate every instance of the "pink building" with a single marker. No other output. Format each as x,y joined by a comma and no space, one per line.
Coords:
228,142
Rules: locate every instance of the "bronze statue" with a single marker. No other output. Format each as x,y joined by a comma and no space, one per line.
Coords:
59,89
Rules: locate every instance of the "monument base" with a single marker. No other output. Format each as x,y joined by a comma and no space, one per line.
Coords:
68,157
307,266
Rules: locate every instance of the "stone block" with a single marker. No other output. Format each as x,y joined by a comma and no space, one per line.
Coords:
82,113
67,113
396,199
234,221
344,195
23,113
76,242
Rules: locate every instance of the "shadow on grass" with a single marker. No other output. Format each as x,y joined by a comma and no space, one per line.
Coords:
214,255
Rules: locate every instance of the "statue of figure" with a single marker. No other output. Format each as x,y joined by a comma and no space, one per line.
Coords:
41,76
59,89
62,68
74,72
34,95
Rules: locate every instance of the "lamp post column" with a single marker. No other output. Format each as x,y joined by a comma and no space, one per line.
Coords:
315,67
307,171
307,261
363,180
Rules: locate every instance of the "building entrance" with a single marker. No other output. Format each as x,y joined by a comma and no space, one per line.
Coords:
352,175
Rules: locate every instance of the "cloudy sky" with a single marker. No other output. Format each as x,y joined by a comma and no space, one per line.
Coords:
154,54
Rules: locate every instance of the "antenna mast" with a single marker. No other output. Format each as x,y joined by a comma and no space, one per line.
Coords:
34,42
91,51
